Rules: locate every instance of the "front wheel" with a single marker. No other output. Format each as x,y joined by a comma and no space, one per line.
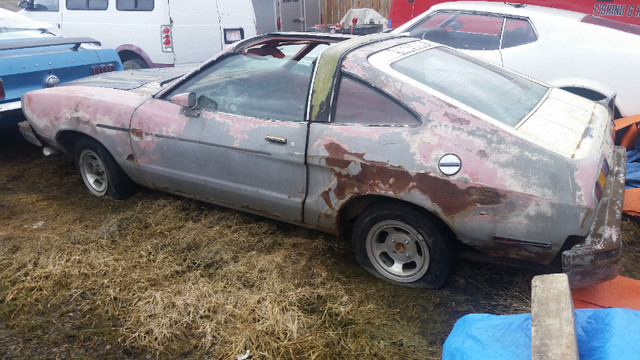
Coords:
100,173
403,246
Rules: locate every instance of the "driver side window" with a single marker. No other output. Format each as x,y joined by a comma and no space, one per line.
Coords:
263,83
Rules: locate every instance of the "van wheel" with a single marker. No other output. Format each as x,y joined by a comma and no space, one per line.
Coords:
134,64
401,245
100,173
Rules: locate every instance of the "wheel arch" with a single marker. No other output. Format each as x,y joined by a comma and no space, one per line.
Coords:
350,211
69,138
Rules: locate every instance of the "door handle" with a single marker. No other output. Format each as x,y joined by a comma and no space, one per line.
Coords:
276,139
298,19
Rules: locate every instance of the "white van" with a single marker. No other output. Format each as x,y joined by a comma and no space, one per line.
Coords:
151,33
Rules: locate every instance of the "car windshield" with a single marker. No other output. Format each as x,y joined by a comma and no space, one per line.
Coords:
16,26
489,89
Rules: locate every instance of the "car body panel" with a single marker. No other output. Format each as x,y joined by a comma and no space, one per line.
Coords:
198,155
571,49
35,58
363,131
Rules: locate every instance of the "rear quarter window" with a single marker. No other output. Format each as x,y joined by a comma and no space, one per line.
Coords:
471,31
517,32
361,104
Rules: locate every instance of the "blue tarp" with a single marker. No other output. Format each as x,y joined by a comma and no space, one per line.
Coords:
633,168
602,334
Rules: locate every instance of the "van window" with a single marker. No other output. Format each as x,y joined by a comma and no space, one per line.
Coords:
44,5
87,4
134,5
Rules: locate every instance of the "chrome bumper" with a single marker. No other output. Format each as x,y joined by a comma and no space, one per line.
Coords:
597,259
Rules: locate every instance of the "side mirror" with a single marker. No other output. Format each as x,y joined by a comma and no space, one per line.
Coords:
187,100
25,5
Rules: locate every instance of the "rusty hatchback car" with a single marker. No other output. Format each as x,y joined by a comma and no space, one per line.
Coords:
406,145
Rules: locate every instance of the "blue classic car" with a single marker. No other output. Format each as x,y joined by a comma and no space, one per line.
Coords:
33,57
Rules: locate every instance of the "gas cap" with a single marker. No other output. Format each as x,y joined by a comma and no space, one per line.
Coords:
450,164
51,81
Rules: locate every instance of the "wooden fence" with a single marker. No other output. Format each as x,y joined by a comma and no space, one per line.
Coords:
334,10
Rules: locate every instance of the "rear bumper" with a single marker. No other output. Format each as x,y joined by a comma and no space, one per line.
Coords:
10,106
27,132
597,259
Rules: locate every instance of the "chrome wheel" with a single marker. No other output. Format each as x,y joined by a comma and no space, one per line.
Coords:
397,251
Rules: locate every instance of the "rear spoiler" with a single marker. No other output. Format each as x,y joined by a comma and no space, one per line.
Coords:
610,104
22,44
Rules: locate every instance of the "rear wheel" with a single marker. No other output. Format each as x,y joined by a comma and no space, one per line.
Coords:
134,64
100,173
403,246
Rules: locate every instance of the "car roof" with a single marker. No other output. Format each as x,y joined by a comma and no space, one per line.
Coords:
303,36
522,10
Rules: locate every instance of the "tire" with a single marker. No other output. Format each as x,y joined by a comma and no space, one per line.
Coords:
398,244
100,173
134,64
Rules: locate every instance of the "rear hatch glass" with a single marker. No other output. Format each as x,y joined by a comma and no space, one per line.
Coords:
500,94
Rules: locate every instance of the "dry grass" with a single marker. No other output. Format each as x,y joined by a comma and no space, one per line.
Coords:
162,277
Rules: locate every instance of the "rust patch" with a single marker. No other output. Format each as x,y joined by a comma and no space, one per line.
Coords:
130,158
137,133
452,199
327,199
377,177
482,154
372,177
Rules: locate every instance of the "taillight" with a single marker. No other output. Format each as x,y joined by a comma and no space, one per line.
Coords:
103,68
602,180
2,95
165,38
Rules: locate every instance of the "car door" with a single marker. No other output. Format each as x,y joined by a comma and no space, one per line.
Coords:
291,15
242,146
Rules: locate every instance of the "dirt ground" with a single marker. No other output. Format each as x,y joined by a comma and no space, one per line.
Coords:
160,276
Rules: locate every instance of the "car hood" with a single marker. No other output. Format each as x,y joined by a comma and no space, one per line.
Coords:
145,80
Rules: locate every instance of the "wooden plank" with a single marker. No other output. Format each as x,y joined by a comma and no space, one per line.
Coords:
553,331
